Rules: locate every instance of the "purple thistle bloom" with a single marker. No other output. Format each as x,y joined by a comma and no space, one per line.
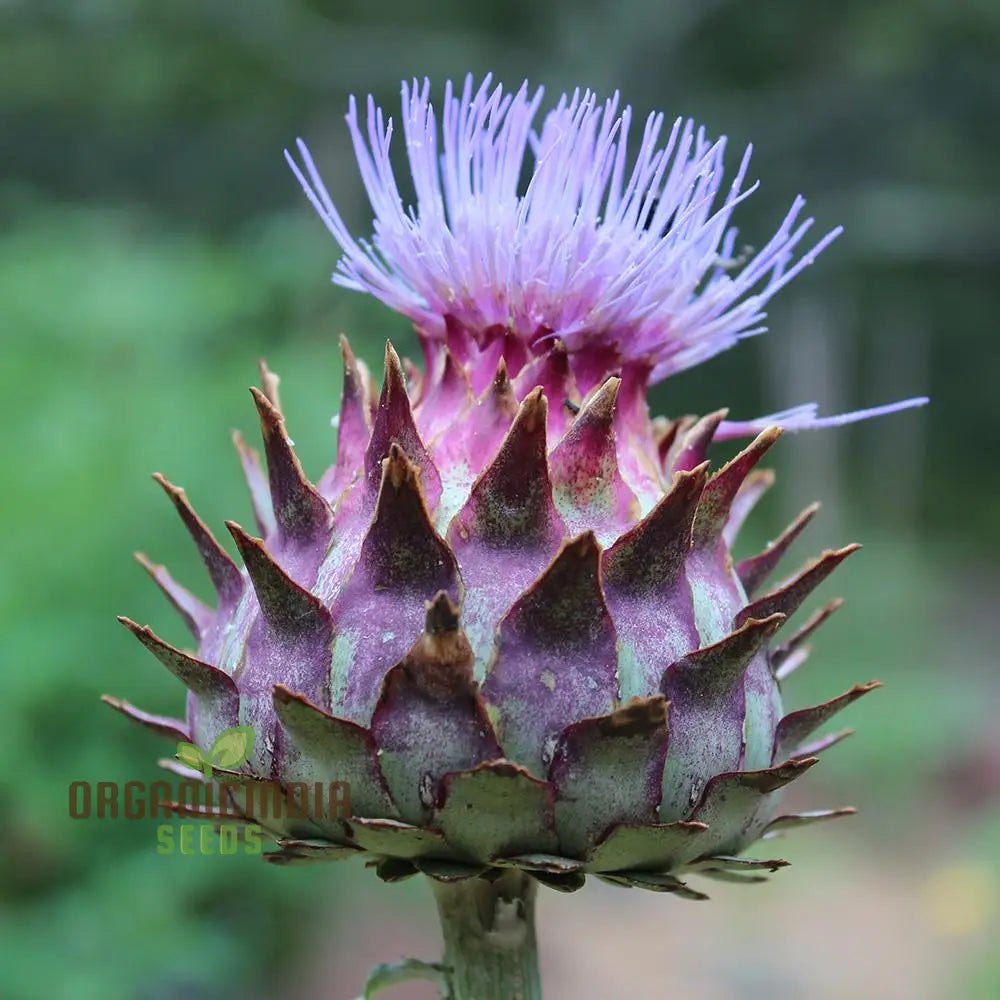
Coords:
509,617
628,267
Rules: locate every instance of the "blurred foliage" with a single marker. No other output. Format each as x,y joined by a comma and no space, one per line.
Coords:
154,245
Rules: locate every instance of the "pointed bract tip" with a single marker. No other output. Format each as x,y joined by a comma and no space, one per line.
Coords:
441,615
284,602
269,383
532,412
798,726
773,778
392,363
637,715
145,562
133,626
173,729
705,428
650,556
602,403
768,626
393,381
394,422
397,470
832,557
401,548
500,391
168,487
753,572
687,486
283,694
693,479
791,821
202,678
225,576
176,493
583,548
241,537
269,413
195,614
735,472
710,673
781,658
346,354
790,595
300,513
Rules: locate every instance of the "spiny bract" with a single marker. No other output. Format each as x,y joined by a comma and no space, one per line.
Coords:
508,615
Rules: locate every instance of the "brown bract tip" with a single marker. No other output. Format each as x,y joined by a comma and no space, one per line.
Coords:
223,571
531,415
774,778
790,596
270,415
269,383
635,717
601,406
650,557
442,615
346,354
397,470
581,548
393,366
501,392
286,605
440,663
504,769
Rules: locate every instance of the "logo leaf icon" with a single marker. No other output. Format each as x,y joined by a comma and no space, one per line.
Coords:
192,756
232,747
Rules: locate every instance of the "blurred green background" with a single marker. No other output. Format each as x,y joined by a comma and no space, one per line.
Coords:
154,246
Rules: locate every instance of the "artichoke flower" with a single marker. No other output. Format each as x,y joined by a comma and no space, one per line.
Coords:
508,617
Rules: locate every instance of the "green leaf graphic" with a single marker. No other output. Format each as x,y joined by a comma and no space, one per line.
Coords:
232,747
191,756
384,977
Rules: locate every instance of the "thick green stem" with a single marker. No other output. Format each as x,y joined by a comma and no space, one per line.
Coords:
490,949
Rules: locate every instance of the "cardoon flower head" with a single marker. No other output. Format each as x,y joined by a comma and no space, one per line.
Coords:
508,616
628,264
